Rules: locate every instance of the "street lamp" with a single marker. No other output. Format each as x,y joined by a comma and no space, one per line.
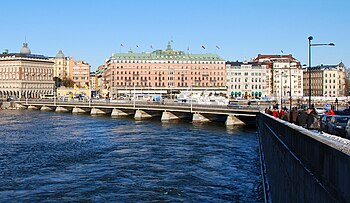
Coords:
310,38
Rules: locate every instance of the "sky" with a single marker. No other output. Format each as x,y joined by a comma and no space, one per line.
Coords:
91,30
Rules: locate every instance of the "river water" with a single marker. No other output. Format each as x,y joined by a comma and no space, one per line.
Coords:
58,157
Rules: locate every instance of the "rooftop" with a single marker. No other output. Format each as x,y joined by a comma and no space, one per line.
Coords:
168,54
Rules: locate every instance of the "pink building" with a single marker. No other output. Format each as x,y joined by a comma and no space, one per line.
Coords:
165,70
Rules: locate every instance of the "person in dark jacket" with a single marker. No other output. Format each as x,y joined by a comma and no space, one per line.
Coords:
311,115
301,119
293,115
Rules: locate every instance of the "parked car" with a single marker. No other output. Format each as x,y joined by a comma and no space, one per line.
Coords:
347,130
337,125
324,122
10,98
320,110
233,105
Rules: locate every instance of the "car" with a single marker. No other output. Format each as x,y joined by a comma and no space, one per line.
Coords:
337,125
10,98
233,105
320,110
347,130
324,122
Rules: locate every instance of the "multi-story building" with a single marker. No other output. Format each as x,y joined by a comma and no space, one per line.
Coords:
25,75
93,81
285,75
165,70
79,72
247,79
326,80
61,66
66,68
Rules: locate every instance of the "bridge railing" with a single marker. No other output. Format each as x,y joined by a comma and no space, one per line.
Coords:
304,166
138,103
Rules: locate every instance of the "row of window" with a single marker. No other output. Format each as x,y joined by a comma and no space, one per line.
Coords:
182,67
238,87
163,78
169,73
185,62
162,84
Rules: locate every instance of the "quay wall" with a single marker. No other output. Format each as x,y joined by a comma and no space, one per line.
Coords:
303,166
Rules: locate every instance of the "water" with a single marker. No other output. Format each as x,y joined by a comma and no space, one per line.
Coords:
53,157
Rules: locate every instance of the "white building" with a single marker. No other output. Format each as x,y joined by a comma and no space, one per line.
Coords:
246,80
285,75
25,74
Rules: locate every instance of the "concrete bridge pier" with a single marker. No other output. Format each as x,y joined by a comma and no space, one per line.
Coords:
200,118
97,111
141,114
171,116
168,116
233,121
46,108
61,109
77,110
20,106
32,107
120,113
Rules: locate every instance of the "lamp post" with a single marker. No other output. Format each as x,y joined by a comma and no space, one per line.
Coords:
310,38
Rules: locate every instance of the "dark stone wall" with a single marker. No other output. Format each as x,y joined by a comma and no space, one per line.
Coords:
303,166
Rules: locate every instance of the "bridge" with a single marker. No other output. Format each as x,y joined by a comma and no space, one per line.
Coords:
141,110
300,165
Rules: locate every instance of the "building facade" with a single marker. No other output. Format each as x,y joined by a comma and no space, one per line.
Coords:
61,66
69,69
167,70
284,78
247,80
25,75
79,72
326,81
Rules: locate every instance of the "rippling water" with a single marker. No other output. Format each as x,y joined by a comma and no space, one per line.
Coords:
52,157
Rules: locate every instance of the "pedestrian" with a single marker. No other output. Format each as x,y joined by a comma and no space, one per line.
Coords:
301,119
311,121
293,115
275,113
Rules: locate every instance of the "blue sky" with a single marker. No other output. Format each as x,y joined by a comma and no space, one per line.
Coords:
93,30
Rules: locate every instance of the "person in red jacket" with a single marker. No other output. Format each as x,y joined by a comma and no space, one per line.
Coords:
330,112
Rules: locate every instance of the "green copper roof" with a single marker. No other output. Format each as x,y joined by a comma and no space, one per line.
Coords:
168,54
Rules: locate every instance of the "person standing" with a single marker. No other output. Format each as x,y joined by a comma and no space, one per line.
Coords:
301,119
311,118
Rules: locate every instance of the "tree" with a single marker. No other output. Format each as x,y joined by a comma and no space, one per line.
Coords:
67,82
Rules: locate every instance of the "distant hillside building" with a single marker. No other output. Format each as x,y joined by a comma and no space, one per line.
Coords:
164,71
326,80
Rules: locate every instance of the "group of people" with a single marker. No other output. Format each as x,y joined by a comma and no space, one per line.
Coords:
306,118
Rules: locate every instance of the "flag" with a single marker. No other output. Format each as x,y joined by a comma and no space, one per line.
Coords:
121,45
151,47
203,46
137,46
217,47
188,48
282,51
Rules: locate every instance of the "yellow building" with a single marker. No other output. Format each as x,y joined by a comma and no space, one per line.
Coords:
71,71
